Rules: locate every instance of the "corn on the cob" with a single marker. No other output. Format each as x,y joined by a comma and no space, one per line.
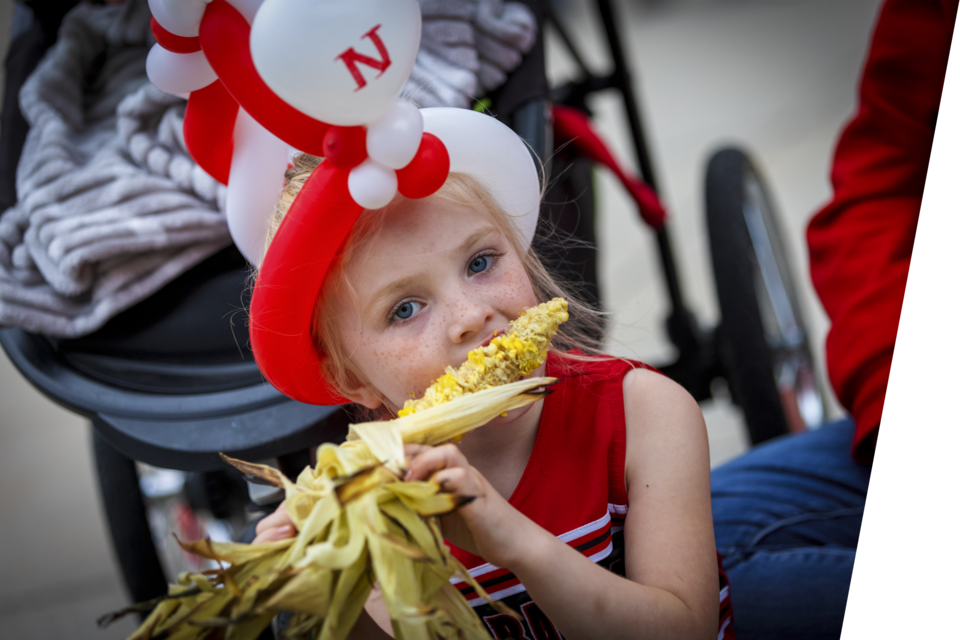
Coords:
357,522
506,359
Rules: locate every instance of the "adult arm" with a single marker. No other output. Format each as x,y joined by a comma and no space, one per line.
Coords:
671,588
860,243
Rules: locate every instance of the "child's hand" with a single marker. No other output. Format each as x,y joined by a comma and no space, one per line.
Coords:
487,526
276,526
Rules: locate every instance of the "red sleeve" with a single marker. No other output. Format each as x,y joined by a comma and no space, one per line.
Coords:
860,243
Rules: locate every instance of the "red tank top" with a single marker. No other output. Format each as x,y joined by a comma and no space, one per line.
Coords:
582,427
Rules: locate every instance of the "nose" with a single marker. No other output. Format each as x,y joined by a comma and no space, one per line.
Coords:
470,317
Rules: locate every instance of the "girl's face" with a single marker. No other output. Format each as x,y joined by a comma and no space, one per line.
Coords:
436,281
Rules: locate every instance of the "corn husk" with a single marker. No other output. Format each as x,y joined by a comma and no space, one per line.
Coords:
357,523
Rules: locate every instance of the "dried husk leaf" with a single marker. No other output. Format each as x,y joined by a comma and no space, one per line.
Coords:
322,515
359,484
251,629
350,593
358,522
384,441
444,422
261,471
404,548
233,552
309,591
426,499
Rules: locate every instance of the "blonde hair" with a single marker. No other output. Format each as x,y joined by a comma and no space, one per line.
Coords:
581,332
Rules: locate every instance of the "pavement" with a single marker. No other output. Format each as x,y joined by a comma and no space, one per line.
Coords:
777,77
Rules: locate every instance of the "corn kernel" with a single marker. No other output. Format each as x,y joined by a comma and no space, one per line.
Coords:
507,358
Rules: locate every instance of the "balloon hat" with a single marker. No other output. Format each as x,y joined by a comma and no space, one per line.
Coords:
268,78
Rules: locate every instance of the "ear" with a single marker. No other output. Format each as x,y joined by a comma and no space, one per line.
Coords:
363,395
358,391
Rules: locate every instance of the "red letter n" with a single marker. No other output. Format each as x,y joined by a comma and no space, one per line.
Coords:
351,58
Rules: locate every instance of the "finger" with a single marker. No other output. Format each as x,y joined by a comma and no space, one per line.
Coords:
458,481
413,450
429,462
276,533
278,518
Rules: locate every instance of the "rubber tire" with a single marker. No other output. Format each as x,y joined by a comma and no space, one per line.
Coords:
126,517
743,346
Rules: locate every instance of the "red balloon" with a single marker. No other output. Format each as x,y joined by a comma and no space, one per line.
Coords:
208,129
171,41
345,147
290,279
427,171
225,38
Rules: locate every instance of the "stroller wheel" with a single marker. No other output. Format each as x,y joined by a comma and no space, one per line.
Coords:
762,336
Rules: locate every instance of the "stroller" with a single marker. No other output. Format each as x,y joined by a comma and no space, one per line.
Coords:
166,385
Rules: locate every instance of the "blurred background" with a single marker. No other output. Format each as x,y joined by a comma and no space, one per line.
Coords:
776,77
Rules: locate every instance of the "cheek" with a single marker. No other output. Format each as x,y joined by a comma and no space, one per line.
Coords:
398,365
423,356
515,289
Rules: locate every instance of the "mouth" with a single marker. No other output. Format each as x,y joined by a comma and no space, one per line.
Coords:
491,337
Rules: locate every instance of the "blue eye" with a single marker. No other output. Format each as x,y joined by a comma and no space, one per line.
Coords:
480,264
405,310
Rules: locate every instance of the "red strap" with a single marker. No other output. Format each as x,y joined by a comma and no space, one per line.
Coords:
171,41
573,126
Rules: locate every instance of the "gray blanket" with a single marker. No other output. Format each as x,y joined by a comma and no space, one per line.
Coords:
110,205
467,47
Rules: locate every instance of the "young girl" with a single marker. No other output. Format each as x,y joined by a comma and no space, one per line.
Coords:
591,512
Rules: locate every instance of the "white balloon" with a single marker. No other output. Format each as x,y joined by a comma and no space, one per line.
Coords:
178,73
361,53
159,11
489,151
183,16
393,140
256,179
247,8
372,185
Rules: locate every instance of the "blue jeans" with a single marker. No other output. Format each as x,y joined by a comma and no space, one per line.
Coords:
787,518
